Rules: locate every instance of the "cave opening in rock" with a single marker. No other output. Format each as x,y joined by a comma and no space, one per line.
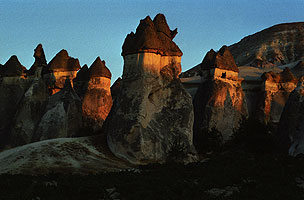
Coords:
223,75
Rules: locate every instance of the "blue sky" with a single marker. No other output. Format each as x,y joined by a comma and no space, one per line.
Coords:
91,28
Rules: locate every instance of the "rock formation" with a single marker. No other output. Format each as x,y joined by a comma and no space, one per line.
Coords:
276,90
115,88
277,45
39,64
29,113
12,88
81,155
97,99
62,116
31,107
61,67
80,83
291,129
219,102
152,115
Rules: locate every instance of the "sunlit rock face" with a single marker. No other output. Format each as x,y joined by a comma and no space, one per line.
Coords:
62,116
96,99
291,127
219,102
61,67
12,87
277,45
152,110
275,92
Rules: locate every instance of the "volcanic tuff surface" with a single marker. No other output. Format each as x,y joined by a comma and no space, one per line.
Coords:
278,45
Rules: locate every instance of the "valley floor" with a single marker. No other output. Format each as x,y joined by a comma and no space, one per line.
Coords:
226,175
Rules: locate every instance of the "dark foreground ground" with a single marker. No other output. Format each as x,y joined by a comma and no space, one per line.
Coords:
225,175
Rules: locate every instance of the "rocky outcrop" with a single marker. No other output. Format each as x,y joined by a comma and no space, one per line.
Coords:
84,155
219,102
277,45
97,99
275,91
152,115
62,116
291,129
40,63
61,67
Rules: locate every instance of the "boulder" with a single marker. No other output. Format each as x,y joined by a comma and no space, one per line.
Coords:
152,116
220,101
291,127
97,99
62,116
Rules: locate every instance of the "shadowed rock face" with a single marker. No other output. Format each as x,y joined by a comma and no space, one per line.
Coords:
40,61
152,36
291,127
220,101
276,90
80,83
62,116
29,113
152,111
13,67
97,99
277,45
115,88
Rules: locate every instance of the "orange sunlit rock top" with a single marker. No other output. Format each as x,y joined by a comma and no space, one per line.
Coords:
152,36
99,69
222,59
63,62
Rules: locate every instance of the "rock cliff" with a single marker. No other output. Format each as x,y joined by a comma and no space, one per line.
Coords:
152,115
